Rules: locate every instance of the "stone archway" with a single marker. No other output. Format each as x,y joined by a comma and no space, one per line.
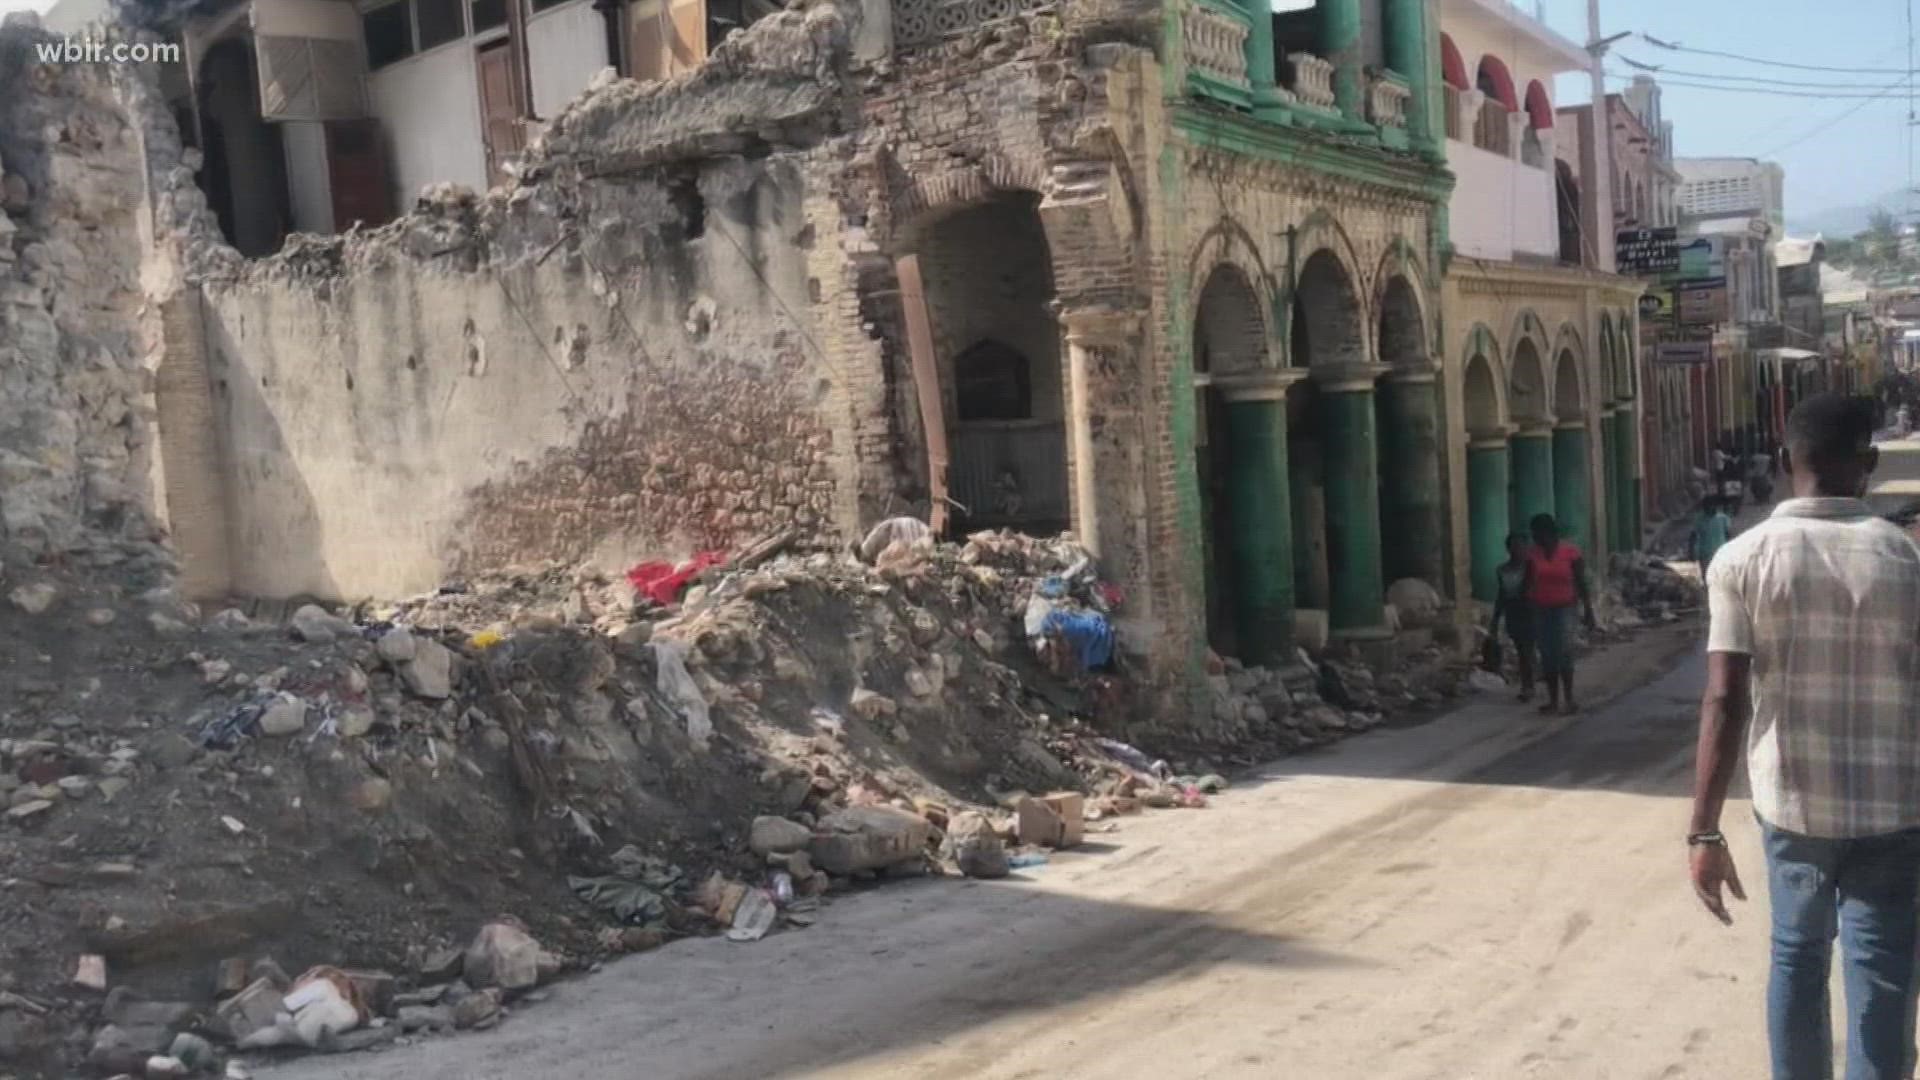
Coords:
1409,430
1572,494
988,281
1488,503
1333,452
1240,466
1531,447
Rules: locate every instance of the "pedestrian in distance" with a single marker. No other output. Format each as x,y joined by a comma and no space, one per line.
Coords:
1511,604
1813,664
1711,530
1556,582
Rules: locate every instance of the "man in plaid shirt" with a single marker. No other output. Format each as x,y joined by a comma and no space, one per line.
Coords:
1813,661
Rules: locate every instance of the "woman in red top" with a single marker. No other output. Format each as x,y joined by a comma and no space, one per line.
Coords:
1556,581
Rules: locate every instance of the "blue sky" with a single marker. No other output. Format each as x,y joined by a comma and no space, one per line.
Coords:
1835,161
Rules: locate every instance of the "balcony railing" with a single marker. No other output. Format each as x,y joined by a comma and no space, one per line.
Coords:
1312,80
1387,98
923,22
1216,46
1493,129
1452,110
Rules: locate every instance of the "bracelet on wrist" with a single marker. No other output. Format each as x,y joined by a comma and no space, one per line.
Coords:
1714,837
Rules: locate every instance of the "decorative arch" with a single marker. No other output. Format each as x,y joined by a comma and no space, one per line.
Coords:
923,200
1229,330
1569,389
1609,380
1625,355
1496,82
1527,383
1539,106
1452,67
1329,322
1485,383
1228,243
1527,327
1402,325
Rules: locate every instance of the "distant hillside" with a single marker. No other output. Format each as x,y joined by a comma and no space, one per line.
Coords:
1843,221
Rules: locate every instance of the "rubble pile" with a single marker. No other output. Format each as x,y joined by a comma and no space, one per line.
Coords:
1643,589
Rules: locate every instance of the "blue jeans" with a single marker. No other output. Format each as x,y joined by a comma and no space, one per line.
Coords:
1868,891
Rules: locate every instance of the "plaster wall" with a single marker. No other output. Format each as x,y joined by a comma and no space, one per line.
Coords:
1501,207
429,109
566,48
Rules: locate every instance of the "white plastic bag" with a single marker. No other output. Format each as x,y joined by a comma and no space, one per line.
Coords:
678,686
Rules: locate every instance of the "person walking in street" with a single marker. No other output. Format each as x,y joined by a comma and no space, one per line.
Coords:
1813,662
1556,581
1511,603
1711,530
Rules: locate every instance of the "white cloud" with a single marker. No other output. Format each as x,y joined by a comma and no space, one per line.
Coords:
24,5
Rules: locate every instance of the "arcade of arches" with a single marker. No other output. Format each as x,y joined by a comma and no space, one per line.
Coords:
1317,464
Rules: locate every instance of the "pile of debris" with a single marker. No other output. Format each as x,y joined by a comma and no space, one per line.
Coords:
1643,590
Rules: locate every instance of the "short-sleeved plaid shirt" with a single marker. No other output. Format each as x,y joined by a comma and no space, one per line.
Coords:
1825,597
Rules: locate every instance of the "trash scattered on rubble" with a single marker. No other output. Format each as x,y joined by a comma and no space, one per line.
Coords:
91,973
662,582
637,893
677,685
1026,859
753,916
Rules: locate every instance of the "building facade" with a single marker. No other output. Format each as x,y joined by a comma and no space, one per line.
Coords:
1543,334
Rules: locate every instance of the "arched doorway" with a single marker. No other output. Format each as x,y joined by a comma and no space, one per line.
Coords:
1333,453
1488,504
1409,427
245,166
1532,443
989,288
1572,494
1241,472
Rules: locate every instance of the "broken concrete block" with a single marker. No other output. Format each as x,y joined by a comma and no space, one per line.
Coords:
251,1010
35,598
1071,808
430,673
317,625
871,706
396,646
123,1049
503,955
776,835
285,716
442,965
1038,823
376,989
868,838
91,973
974,845
477,1009
426,1018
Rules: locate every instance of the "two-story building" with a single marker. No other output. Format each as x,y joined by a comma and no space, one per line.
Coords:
1543,334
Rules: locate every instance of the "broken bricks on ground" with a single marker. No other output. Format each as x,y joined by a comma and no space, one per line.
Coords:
800,703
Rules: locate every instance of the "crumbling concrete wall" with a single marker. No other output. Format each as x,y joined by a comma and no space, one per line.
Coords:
617,358
76,442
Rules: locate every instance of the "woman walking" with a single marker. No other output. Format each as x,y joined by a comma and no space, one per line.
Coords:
1556,580
1511,603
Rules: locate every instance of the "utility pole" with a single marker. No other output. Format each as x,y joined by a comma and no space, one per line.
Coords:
1600,184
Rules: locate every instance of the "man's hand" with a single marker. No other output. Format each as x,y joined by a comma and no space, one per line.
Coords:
1712,865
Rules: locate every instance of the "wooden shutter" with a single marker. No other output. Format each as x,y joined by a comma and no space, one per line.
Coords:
687,45
357,174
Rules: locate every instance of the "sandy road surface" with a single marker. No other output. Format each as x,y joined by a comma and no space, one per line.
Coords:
1489,896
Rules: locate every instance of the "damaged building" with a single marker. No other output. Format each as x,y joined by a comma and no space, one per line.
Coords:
1172,277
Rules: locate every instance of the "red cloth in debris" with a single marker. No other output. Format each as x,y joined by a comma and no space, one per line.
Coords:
661,582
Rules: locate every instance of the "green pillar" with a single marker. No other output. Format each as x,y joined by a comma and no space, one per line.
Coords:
1487,521
1340,45
1410,476
1307,492
1261,68
1357,607
1408,55
1532,475
1609,468
1573,501
1262,523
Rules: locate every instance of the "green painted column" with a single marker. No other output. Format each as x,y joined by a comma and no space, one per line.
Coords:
1487,521
1532,475
1340,45
1262,523
1571,497
1408,55
1609,468
1262,71
1410,476
1357,607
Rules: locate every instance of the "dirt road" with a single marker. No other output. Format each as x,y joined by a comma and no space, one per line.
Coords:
1489,896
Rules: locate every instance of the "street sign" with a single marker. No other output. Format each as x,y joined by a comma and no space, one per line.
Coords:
1683,352
1647,251
1701,303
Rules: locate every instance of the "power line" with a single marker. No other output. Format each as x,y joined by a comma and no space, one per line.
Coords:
1817,95
1666,71
1817,129
1676,47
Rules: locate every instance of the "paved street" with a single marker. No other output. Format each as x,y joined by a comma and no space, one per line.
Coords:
1490,896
